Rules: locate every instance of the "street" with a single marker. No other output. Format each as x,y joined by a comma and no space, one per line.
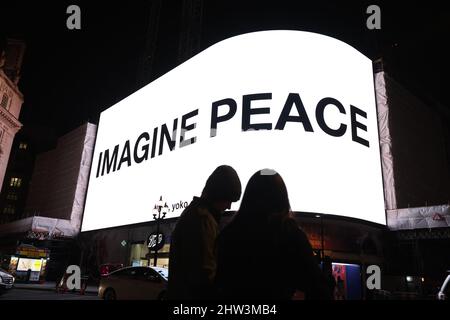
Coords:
33,294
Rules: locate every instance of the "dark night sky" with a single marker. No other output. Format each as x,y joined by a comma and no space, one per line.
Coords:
68,76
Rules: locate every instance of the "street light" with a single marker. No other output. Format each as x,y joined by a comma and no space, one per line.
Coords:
159,213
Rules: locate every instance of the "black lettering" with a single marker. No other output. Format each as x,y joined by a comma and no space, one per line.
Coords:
215,119
247,111
294,99
321,121
171,140
355,125
99,163
125,155
144,148
155,135
185,128
110,164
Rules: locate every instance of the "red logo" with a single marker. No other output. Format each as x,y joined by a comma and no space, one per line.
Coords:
438,217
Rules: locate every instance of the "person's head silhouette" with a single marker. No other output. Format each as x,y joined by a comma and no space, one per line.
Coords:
265,195
222,188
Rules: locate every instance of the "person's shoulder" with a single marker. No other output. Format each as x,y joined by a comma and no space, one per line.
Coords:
231,234
291,225
191,209
196,212
293,229
200,212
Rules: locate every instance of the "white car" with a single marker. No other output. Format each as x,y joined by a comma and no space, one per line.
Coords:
6,281
444,291
134,283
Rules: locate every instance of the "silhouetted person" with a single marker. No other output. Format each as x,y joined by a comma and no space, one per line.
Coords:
28,275
340,290
262,253
327,270
193,259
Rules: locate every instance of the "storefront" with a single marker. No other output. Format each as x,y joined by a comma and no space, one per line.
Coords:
127,245
29,264
37,257
350,244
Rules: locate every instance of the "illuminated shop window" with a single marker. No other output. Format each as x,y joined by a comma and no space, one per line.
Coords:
23,145
15,182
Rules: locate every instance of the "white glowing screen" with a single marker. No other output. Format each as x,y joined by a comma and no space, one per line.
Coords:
297,102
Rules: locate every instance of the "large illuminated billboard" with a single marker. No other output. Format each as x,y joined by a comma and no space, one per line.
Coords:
297,102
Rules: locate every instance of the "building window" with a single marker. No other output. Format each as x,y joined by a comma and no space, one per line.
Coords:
4,103
23,145
9,209
12,196
15,182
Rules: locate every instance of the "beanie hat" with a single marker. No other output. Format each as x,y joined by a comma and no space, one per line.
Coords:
223,184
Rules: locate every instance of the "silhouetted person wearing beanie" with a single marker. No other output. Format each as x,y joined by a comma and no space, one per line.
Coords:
192,264
262,252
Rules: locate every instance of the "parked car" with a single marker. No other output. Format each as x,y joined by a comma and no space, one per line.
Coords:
6,281
134,283
444,291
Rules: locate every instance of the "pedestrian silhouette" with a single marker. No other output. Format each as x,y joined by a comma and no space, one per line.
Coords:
327,270
340,290
262,253
193,259
28,275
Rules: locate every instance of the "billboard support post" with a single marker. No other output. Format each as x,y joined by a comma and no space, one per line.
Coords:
321,237
322,247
